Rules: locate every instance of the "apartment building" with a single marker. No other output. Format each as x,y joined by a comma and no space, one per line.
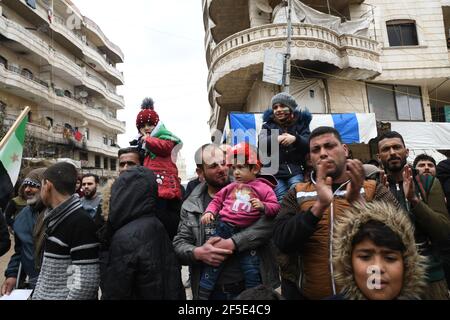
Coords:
387,57
61,64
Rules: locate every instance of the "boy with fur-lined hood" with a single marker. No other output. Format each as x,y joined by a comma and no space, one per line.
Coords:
376,235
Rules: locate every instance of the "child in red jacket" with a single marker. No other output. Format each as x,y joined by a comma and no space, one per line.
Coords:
158,143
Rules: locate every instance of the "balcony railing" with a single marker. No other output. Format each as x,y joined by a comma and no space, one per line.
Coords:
99,31
19,70
299,32
60,99
59,60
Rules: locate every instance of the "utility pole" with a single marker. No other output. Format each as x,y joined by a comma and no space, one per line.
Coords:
287,58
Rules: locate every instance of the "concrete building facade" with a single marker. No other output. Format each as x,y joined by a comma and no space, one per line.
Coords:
61,64
398,68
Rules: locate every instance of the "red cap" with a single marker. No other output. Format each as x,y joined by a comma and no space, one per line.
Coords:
243,151
147,116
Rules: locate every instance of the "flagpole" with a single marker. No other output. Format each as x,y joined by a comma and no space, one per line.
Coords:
14,126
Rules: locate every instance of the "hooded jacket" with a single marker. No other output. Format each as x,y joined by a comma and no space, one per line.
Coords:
141,261
348,225
305,240
292,157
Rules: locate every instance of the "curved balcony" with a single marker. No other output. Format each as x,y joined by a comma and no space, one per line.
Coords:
37,90
94,55
238,60
63,33
95,83
114,49
26,38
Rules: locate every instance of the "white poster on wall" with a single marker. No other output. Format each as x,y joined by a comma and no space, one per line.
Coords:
273,67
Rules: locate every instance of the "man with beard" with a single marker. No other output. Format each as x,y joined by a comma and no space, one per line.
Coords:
425,165
423,198
304,227
28,230
92,199
193,247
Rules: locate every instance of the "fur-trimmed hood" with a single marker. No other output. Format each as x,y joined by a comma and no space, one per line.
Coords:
301,116
348,225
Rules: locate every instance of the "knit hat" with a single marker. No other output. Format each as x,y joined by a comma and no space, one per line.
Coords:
34,178
147,116
285,99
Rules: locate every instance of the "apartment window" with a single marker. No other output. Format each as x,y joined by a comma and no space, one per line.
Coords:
105,140
27,73
113,164
402,33
87,133
84,156
395,102
31,3
105,163
97,162
4,62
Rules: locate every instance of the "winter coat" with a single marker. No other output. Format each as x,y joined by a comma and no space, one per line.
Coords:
141,261
5,241
430,219
233,205
24,246
292,157
192,234
304,239
15,205
443,174
348,225
158,158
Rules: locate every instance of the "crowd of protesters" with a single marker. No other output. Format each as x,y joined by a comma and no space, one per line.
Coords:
322,225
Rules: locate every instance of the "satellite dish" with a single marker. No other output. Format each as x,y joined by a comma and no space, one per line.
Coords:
83,94
263,6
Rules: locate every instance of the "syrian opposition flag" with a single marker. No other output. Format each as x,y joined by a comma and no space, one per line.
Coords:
11,149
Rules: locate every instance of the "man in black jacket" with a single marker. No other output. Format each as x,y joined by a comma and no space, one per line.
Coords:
141,261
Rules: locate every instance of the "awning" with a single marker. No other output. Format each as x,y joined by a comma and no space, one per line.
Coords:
353,127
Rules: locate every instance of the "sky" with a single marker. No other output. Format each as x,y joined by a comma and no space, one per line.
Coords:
164,59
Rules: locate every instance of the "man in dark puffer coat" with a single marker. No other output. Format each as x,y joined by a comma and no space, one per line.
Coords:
141,261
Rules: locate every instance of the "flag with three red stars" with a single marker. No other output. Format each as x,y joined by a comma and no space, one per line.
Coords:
11,159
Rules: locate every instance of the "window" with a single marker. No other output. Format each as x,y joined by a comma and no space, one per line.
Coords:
49,122
105,163
87,133
113,164
402,33
105,140
4,62
27,73
97,162
395,102
84,156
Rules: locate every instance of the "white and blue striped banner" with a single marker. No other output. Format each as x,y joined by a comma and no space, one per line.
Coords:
353,127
